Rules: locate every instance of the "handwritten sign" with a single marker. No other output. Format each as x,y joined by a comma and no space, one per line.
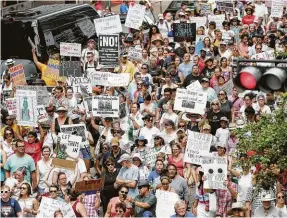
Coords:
90,185
135,53
70,49
11,104
109,79
26,103
135,16
80,83
17,75
195,86
215,173
226,6
87,27
205,8
70,144
108,25
150,156
75,129
42,93
218,19
277,8
109,50
228,86
200,21
184,32
198,159
52,70
105,106
165,203
42,114
190,101
70,68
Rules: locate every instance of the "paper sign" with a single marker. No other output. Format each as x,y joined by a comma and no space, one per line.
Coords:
109,50
88,104
205,8
87,27
165,203
17,75
52,70
228,86
80,83
198,159
135,16
70,68
200,21
70,49
226,6
75,129
105,106
6,93
49,38
215,173
150,157
184,32
218,19
109,79
11,105
195,86
70,144
199,143
26,108
108,25
190,101
277,8
135,53
42,114
90,185
41,91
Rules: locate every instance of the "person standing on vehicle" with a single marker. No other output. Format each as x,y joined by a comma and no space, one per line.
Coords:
9,63
90,48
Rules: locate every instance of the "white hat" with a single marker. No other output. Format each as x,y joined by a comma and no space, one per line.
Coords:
240,123
9,62
266,197
160,16
137,155
224,119
125,157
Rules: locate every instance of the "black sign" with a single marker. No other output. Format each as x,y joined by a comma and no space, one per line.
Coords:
184,32
109,50
70,68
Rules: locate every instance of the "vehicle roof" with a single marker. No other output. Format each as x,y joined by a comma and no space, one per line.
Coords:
43,10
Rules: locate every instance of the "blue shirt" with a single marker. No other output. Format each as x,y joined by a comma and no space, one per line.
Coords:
185,69
124,8
188,214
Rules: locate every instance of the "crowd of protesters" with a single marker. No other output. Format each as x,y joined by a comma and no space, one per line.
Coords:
116,148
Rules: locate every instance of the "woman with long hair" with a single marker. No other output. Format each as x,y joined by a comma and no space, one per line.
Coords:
28,204
109,174
214,77
165,181
33,145
280,203
141,146
168,115
62,119
111,209
9,137
226,70
71,197
147,107
169,132
143,170
155,37
226,105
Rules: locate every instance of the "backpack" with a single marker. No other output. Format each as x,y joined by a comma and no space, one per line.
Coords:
86,65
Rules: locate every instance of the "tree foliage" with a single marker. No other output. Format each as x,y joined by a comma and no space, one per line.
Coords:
267,140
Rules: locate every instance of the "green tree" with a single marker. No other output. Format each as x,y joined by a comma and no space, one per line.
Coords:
267,140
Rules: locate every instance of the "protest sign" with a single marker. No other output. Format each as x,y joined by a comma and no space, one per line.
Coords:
75,129
62,163
226,6
41,91
48,207
184,32
165,203
105,106
109,50
200,21
215,173
199,143
87,27
6,93
91,185
277,8
150,156
70,68
195,86
80,83
108,25
218,19
11,105
70,49
88,104
42,114
70,145
135,53
190,101
26,107
228,86
198,159
109,79
52,71
268,3
17,75
205,8
135,16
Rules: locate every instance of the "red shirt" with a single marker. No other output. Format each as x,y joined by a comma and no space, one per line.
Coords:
34,150
248,19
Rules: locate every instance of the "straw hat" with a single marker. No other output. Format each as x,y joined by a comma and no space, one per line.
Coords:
236,205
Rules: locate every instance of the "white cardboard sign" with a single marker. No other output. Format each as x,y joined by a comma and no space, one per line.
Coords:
70,49
135,16
108,25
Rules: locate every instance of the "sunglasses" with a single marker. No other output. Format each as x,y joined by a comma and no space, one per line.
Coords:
215,104
122,192
53,191
105,148
280,197
119,211
181,126
136,159
117,132
4,192
221,94
157,138
165,183
50,111
110,165
139,84
23,188
8,134
8,119
144,68
149,120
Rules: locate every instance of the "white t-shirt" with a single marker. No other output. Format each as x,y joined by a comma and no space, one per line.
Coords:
43,169
244,183
222,135
95,52
148,134
260,10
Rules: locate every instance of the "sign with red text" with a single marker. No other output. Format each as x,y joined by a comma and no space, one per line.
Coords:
17,75
11,106
70,49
